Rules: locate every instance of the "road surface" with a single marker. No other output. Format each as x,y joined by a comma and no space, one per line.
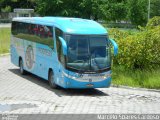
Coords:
31,94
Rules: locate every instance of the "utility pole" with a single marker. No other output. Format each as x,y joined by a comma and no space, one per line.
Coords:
149,7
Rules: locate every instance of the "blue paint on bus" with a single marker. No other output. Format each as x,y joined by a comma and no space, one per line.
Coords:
78,51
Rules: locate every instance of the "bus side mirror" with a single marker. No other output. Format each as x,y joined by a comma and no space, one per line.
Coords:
64,45
115,46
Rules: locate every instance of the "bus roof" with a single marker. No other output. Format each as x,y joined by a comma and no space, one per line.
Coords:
67,25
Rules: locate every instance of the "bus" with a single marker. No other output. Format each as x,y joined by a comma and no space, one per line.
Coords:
68,52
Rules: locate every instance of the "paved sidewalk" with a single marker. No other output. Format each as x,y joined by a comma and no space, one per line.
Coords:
5,25
31,94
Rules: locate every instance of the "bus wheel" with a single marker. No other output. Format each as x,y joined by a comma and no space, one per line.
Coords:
51,80
22,71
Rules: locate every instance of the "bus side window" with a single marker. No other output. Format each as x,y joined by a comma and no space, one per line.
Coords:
41,31
49,36
61,58
35,29
19,26
14,28
24,27
30,29
45,35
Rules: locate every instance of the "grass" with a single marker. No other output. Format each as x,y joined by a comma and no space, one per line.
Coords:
136,78
4,40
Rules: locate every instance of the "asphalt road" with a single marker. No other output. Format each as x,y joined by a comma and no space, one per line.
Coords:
31,94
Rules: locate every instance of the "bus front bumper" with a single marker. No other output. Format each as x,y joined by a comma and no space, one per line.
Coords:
71,83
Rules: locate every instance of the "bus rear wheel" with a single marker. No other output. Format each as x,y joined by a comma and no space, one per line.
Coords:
22,71
51,80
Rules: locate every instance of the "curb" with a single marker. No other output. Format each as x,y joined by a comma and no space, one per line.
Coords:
135,88
6,54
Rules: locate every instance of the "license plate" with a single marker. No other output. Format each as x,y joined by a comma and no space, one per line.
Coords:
89,85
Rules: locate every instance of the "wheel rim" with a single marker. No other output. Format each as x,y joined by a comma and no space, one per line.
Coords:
52,78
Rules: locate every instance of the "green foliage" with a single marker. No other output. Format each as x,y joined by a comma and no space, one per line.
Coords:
92,9
81,8
139,50
49,7
136,78
137,12
155,8
155,21
109,10
6,9
9,5
117,34
115,10
95,9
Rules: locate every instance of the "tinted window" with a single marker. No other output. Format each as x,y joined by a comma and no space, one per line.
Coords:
14,28
33,32
90,53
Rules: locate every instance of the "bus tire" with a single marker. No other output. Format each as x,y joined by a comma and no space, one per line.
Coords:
51,80
21,67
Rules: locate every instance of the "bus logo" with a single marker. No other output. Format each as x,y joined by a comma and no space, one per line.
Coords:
29,57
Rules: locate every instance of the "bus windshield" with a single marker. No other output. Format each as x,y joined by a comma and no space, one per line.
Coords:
88,53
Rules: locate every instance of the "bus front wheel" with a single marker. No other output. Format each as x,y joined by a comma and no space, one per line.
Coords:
51,80
22,71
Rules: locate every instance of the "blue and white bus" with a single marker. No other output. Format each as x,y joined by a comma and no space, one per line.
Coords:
68,52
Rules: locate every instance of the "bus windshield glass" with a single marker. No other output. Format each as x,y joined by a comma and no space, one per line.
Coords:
88,53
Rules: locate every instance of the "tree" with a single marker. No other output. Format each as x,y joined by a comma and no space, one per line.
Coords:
111,10
81,8
92,9
9,5
49,7
58,7
6,9
117,10
137,11
155,8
